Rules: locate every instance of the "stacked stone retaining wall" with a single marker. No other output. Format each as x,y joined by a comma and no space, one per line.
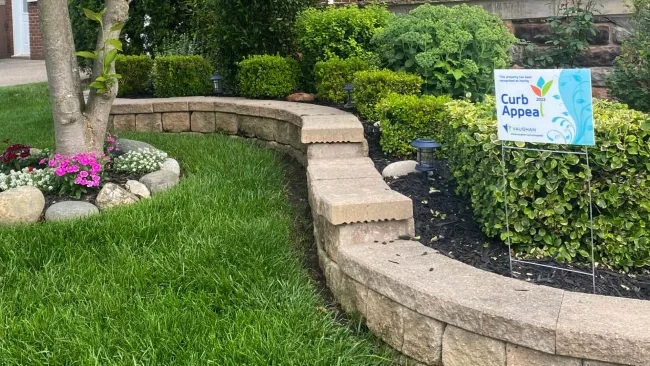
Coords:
432,309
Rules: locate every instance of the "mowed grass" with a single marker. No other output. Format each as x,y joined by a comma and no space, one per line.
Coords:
204,274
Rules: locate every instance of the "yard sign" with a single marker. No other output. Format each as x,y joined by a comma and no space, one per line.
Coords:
545,106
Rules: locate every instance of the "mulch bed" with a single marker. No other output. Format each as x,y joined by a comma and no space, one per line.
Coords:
444,221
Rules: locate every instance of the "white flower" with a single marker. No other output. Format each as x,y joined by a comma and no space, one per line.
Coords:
140,161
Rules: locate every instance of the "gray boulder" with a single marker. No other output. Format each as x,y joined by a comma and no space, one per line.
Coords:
113,195
21,205
160,180
126,145
400,169
171,165
138,189
70,210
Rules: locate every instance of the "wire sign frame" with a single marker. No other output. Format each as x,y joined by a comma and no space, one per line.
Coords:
512,259
546,107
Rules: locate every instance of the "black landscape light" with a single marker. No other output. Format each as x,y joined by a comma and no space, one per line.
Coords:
350,104
426,154
217,84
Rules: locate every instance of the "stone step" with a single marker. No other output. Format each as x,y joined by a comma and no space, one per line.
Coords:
353,168
341,150
342,128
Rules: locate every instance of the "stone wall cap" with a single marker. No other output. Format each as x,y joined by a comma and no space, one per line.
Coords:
319,128
354,168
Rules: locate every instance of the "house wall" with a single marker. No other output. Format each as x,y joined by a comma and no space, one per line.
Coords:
35,39
10,27
4,51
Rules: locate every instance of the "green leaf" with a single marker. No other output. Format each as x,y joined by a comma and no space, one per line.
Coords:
115,43
98,85
86,54
117,27
547,87
92,15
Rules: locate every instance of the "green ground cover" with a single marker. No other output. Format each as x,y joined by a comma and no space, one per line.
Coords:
207,273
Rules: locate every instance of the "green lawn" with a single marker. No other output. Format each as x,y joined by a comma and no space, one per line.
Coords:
207,273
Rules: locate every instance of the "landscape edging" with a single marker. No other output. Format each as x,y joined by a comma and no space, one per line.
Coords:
430,308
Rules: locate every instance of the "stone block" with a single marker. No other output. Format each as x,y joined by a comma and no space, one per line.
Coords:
170,105
150,122
384,318
599,56
359,200
226,123
422,338
536,33
339,128
339,150
132,106
600,93
110,126
602,35
259,127
604,328
200,104
463,348
176,122
521,356
598,363
342,169
203,122
620,34
599,76
124,122
289,134
349,293
455,293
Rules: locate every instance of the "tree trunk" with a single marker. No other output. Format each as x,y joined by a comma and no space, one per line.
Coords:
78,126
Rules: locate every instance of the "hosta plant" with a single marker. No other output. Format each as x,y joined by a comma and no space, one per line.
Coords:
140,161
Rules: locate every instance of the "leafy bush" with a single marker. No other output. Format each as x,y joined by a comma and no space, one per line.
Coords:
454,49
372,86
547,195
230,30
630,82
140,161
268,76
342,32
136,74
180,76
178,45
334,74
405,118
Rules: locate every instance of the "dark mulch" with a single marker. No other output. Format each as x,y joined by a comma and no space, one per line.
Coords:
444,221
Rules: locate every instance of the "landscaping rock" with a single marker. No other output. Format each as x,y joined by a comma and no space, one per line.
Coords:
126,145
301,97
113,195
21,205
462,348
138,189
171,165
70,210
400,169
34,151
160,181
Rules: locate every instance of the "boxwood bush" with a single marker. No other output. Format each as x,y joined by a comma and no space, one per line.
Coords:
334,74
136,74
342,32
268,76
547,194
181,76
455,49
372,86
405,118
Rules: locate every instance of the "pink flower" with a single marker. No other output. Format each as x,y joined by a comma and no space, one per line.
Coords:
110,139
96,178
58,156
60,172
111,148
83,174
43,161
51,163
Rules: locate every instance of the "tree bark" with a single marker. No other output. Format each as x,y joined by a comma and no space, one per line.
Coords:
78,127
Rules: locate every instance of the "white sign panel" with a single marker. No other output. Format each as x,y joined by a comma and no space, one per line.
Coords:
547,106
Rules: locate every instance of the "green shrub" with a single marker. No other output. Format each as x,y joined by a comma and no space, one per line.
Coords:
547,197
372,86
342,32
334,74
405,118
454,49
180,76
630,81
268,76
136,74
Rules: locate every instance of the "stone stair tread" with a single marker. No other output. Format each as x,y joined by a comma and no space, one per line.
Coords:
321,129
353,168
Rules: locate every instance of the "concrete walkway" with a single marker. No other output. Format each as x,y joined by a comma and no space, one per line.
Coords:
15,71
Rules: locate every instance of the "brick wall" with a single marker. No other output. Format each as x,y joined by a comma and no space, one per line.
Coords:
35,39
10,28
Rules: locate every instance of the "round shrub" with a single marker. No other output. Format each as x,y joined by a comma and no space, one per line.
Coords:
181,76
334,74
268,76
454,49
136,74
405,118
342,32
372,86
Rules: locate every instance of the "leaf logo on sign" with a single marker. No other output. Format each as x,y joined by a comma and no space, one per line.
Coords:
541,89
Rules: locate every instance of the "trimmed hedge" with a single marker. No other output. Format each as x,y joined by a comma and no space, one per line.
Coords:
405,118
548,195
268,76
372,86
338,32
181,76
334,74
136,74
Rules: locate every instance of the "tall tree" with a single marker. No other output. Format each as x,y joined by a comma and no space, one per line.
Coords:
80,126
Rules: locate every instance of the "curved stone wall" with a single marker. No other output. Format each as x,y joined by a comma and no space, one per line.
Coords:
432,309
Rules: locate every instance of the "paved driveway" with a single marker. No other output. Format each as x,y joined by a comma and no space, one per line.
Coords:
15,71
